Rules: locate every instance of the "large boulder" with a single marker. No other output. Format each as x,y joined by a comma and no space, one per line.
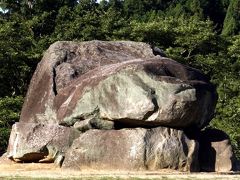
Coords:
216,153
133,149
153,92
65,61
117,81
101,105
32,142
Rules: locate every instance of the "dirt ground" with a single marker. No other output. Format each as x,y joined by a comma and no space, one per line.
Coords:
10,170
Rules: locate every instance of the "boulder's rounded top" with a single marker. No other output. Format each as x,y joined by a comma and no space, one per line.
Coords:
136,49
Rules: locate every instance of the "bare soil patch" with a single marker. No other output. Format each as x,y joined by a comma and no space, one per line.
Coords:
10,170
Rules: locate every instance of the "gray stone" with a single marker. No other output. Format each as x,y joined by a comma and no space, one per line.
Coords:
149,93
93,123
65,61
116,81
83,125
216,154
31,142
133,149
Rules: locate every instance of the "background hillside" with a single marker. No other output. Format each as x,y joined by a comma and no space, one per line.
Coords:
201,33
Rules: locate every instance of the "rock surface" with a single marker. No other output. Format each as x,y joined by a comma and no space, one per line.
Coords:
31,142
100,105
145,93
117,81
65,61
216,154
133,149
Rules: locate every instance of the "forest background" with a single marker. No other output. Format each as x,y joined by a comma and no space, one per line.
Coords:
201,33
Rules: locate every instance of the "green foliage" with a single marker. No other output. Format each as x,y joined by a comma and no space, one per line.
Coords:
228,108
9,114
185,7
234,49
193,36
159,31
4,136
232,20
182,38
9,110
113,26
228,111
15,38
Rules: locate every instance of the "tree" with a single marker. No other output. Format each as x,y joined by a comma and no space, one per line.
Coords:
156,5
159,31
25,32
193,36
9,113
231,24
185,8
215,10
15,66
82,23
133,8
